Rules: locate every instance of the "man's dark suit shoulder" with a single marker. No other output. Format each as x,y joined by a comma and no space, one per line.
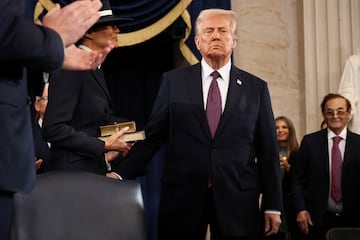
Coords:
314,135
234,70
323,132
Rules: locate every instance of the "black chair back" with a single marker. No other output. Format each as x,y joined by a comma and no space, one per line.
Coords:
79,206
343,234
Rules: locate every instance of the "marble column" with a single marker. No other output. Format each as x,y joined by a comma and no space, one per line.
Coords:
299,47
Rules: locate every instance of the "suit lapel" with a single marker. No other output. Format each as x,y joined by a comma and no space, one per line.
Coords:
348,150
100,79
324,152
194,85
236,86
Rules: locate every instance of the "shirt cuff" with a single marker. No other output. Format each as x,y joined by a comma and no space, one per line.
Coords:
108,165
273,212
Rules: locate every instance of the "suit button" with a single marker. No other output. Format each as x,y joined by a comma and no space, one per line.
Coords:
213,149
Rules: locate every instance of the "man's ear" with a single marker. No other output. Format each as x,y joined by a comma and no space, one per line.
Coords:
196,39
234,43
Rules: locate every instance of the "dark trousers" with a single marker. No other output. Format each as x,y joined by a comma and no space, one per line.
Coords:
6,213
277,236
208,218
330,220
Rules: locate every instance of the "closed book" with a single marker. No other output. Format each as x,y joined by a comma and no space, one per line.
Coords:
108,130
129,137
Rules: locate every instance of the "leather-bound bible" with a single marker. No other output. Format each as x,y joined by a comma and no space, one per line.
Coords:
108,130
130,136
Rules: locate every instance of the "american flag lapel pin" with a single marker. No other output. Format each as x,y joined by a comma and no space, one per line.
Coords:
239,82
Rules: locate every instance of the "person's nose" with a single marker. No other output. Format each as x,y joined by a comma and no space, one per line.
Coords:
216,34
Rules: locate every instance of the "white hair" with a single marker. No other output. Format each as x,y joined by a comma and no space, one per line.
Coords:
205,14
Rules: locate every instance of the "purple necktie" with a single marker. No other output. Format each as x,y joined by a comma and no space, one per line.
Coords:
213,104
336,165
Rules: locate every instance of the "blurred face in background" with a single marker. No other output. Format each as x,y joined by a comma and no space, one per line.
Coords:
99,36
41,102
282,131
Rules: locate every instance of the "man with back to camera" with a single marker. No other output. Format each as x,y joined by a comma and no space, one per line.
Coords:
24,44
211,175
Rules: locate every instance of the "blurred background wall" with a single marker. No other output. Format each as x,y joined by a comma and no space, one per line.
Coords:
299,47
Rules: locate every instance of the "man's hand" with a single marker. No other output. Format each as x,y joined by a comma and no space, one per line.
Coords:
78,59
72,21
303,219
112,175
272,223
38,163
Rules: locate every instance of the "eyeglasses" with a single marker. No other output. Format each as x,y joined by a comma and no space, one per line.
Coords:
339,112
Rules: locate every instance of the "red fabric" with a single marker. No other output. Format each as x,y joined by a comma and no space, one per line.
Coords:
213,104
336,165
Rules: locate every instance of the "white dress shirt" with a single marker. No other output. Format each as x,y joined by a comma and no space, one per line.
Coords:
223,81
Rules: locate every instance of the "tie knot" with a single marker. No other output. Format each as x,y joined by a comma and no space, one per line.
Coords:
337,139
215,75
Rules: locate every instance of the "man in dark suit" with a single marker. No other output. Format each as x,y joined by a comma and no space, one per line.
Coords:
24,44
212,175
326,195
42,150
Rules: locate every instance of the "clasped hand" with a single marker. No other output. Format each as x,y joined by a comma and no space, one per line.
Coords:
114,145
303,219
272,223
284,164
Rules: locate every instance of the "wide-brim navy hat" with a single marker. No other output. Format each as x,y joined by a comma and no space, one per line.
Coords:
107,16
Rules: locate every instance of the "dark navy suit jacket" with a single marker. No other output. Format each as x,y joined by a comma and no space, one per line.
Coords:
79,102
42,150
246,132
311,177
22,44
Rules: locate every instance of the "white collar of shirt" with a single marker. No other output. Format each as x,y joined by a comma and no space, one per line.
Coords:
223,82
46,77
330,135
40,122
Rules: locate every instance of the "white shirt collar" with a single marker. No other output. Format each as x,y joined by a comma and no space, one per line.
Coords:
331,134
40,122
224,70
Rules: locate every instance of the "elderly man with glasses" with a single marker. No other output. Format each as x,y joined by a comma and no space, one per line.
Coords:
326,183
